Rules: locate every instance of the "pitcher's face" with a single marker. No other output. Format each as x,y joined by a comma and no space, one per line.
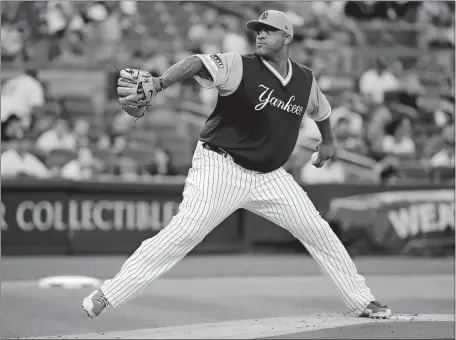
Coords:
270,40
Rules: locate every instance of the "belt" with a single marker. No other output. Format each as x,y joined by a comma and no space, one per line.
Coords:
216,149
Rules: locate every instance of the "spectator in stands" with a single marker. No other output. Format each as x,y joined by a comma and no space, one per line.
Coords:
83,167
368,10
388,172
118,126
73,48
235,40
405,10
198,29
128,170
376,81
22,95
81,131
214,40
12,129
18,161
44,121
11,37
375,130
59,137
331,172
161,162
346,139
348,109
398,140
439,17
444,113
445,157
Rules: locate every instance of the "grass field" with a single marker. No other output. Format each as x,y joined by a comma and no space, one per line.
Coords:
213,289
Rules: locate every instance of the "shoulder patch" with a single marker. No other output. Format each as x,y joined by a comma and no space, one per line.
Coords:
217,61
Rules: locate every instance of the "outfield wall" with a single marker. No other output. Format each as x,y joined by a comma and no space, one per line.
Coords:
65,217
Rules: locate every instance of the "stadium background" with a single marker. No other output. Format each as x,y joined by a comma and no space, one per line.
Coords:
387,69
77,46
80,177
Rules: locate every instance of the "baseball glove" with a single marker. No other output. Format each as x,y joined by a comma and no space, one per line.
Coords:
135,89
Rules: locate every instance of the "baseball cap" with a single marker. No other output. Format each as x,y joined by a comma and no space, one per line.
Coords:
275,19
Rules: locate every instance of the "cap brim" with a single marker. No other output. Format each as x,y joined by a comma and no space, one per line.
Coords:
253,25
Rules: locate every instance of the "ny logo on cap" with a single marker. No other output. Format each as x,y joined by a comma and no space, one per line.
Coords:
264,16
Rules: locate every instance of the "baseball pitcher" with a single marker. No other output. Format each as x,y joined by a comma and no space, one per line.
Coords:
262,98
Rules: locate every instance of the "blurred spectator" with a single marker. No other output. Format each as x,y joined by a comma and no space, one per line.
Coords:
157,64
445,157
73,48
81,131
18,161
56,18
57,159
444,113
105,29
44,121
198,29
213,42
235,40
331,172
128,169
368,10
388,172
346,139
376,81
22,95
11,46
375,130
349,109
439,17
119,125
83,167
59,137
82,33
405,10
398,140
161,162
12,129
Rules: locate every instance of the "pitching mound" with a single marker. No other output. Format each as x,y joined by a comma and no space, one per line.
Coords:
311,326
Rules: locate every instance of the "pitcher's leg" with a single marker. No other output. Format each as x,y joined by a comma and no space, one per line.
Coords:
211,194
282,200
158,254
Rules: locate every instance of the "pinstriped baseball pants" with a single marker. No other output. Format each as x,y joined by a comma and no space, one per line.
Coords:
215,187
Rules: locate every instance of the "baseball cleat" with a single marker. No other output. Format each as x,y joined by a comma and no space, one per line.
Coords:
95,303
376,310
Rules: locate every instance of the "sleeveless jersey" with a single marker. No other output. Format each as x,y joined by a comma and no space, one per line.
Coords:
258,124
